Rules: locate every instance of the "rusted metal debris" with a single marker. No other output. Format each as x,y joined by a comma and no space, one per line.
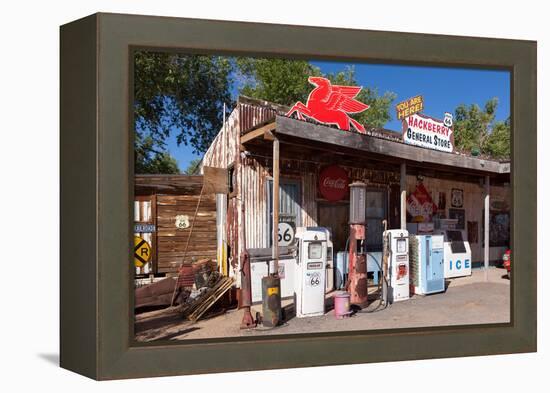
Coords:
211,286
157,294
191,303
207,299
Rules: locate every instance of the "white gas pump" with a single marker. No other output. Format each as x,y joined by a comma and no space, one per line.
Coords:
398,264
329,274
310,272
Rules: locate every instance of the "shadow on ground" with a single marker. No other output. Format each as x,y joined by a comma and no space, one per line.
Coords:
52,358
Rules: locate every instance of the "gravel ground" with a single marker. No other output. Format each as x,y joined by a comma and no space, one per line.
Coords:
467,300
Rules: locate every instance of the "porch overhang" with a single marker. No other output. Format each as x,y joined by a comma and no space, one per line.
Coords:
310,134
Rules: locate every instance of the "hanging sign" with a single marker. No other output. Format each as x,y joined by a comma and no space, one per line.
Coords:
409,107
427,132
333,183
331,104
420,204
144,228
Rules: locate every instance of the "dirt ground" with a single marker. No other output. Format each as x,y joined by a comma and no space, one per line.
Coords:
467,300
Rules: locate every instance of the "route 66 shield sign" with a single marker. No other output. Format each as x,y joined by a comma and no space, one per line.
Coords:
182,221
448,120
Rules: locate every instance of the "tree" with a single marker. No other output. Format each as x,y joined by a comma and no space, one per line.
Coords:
286,82
182,94
149,160
498,142
276,80
193,167
379,112
476,129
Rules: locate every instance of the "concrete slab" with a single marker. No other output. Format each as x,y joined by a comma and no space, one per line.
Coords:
467,300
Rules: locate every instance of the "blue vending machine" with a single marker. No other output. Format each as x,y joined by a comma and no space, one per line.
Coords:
426,264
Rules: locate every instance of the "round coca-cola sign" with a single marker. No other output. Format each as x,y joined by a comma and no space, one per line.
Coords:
333,183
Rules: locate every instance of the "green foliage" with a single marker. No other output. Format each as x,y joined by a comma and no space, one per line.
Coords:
193,167
498,142
276,80
183,93
149,160
285,82
475,128
379,112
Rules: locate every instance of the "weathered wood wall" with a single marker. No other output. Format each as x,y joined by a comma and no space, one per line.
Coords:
159,199
172,241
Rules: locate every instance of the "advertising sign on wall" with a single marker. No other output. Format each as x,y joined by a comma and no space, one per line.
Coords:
427,132
420,204
333,183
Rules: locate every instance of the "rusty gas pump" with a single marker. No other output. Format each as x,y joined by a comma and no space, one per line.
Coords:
357,279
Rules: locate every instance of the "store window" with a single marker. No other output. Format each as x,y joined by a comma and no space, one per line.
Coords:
289,205
376,212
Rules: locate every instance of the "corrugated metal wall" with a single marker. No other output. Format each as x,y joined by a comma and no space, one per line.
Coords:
309,204
224,152
253,115
255,203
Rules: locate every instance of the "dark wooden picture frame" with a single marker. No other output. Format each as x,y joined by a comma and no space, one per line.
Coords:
97,196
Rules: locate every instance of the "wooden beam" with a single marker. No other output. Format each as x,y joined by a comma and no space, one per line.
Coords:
275,245
257,132
268,135
486,244
403,195
384,147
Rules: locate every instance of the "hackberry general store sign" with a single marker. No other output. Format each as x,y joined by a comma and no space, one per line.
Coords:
427,132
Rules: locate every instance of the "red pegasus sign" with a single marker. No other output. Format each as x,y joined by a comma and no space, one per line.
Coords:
330,104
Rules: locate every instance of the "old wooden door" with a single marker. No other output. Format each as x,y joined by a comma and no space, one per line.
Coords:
335,217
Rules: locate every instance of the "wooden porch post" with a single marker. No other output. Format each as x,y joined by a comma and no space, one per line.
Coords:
275,246
403,195
486,229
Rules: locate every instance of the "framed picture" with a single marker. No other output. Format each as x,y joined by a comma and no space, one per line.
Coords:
187,146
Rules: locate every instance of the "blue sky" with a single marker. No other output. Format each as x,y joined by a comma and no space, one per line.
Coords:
443,90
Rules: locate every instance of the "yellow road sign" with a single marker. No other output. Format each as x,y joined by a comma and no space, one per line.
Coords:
142,251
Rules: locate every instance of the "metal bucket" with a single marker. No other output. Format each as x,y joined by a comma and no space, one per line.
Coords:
341,305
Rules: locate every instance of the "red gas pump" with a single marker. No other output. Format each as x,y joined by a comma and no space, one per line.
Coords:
357,281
